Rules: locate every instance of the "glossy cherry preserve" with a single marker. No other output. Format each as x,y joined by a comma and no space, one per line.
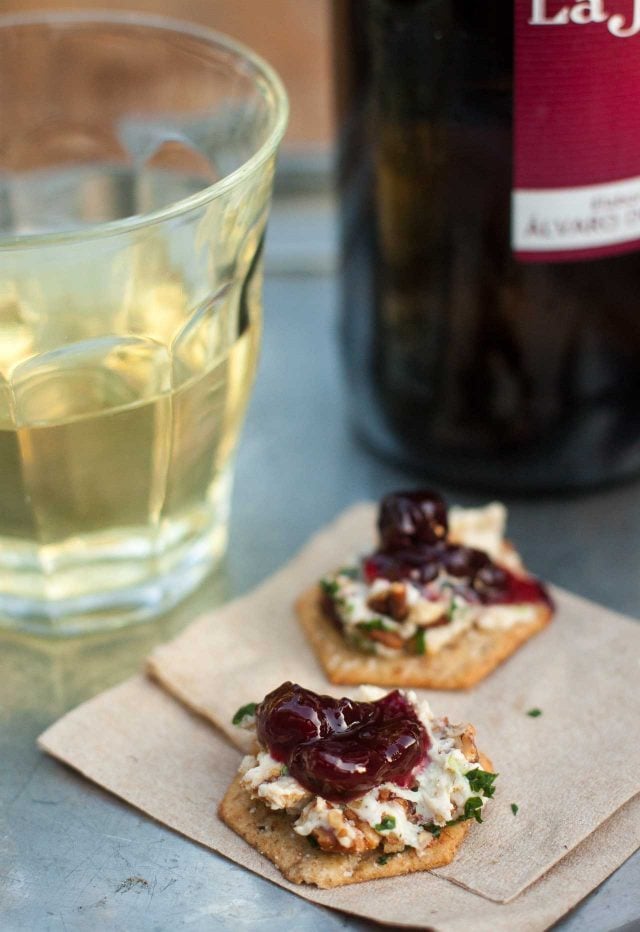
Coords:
339,748
413,528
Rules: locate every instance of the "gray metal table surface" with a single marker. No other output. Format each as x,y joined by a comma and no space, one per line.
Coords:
72,857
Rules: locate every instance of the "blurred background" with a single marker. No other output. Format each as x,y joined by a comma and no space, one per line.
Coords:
294,36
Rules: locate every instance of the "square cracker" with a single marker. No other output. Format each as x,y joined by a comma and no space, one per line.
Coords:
270,832
458,665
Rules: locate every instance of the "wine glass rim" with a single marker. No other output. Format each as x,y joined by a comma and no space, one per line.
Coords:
261,70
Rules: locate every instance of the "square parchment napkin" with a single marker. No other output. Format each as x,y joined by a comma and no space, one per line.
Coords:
146,748
568,770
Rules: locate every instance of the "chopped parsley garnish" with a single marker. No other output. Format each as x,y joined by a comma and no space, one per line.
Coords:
243,712
388,822
313,841
451,608
284,771
376,624
481,781
382,859
534,713
421,641
351,572
514,808
362,643
329,586
472,810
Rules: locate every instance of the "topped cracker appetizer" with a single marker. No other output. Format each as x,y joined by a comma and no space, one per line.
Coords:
340,791
441,602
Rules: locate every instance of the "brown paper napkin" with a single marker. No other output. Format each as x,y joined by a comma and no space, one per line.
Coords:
568,770
143,746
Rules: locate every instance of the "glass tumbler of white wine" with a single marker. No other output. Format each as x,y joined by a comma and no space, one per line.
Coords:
136,166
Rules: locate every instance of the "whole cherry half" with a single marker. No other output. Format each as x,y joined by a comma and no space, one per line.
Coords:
409,518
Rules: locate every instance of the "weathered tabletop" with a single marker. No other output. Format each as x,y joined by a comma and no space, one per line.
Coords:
74,858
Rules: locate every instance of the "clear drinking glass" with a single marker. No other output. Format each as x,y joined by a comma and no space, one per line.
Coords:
136,166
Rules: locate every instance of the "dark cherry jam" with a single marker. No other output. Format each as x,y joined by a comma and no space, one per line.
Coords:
339,748
521,589
413,528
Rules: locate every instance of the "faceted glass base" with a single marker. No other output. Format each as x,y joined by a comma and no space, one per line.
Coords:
111,580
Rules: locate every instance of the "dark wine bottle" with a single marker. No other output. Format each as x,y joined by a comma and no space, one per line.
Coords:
490,220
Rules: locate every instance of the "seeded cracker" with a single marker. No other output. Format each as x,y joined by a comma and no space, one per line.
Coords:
270,832
459,665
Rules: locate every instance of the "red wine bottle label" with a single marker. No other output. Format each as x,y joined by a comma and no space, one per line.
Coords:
577,129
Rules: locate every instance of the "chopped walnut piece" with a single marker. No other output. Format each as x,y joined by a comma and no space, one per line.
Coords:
326,839
397,601
388,638
468,744
393,844
425,613
346,825
371,837
391,601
